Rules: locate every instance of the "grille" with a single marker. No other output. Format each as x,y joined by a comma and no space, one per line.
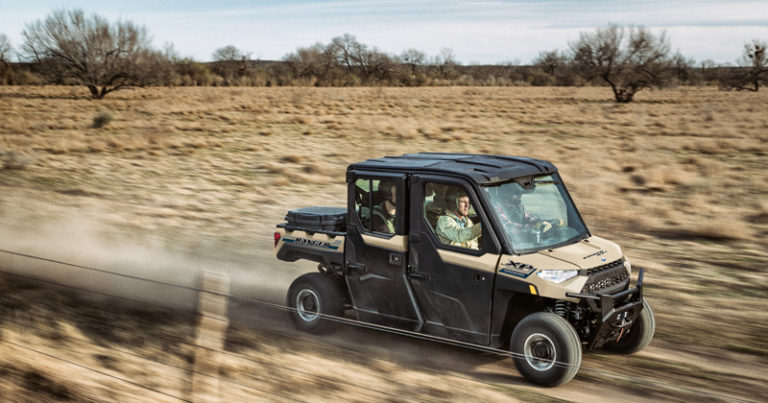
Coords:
609,277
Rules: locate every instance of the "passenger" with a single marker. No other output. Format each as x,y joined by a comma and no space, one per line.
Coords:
384,212
455,228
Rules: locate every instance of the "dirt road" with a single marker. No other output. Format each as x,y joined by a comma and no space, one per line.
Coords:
664,371
189,179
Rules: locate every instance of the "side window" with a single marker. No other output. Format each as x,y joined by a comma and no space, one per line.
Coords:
375,204
451,216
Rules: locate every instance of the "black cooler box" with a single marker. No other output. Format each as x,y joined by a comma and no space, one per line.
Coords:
318,218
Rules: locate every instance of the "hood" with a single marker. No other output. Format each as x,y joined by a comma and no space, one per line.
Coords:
585,254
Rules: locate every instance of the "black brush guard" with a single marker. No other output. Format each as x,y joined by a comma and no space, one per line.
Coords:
616,312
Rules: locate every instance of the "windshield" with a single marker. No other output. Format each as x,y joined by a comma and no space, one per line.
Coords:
537,216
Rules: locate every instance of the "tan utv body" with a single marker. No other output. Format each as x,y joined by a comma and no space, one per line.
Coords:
483,249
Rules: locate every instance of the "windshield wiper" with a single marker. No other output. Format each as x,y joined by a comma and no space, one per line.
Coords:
583,237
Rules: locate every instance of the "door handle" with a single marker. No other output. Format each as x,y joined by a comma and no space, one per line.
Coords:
356,267
418,275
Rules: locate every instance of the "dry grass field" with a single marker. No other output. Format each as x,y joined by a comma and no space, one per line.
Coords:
679,178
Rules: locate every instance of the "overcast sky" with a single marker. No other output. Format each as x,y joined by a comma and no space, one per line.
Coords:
487,32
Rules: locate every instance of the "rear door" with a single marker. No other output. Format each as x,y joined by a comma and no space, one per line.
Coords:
377,255
453,283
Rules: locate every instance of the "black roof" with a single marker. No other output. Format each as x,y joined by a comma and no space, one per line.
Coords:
479,168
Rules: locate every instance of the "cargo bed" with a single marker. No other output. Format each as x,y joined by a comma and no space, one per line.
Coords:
313,233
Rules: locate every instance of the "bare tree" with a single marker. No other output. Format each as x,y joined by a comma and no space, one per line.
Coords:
376,64
446,63
316,61
550,68
752,70
92,52
628,63
413,58
230,62
448,57
347,50
550,61
5,57
306,62
357,58
756,57
413,61
683,68
5,52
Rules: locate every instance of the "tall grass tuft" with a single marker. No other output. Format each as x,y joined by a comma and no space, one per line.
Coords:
101,120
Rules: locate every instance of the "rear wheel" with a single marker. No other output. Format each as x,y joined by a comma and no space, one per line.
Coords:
314,297
547,349
640,333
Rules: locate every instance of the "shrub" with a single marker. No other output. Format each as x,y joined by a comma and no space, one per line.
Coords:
102,119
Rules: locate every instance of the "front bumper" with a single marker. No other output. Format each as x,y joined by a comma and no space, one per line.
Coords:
615,312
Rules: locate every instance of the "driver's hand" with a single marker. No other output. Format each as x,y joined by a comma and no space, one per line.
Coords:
558,222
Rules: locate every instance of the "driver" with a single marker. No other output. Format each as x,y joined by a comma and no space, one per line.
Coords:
516,216
455,228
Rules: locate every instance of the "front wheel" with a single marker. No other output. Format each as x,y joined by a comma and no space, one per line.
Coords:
640,333
546,348
314,297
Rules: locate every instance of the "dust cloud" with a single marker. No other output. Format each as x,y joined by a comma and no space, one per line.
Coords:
131,263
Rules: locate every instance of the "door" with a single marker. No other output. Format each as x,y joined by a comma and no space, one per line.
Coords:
451,264
377,251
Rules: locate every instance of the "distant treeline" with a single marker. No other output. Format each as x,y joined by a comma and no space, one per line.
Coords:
257,73
70,48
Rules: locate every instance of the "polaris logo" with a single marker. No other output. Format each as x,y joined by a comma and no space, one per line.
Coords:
598,253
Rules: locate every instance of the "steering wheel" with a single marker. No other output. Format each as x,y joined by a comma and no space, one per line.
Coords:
552,232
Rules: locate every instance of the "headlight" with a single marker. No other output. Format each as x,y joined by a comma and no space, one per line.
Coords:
557,276
627,266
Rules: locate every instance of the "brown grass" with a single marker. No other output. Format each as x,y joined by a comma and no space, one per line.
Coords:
679,177
669,146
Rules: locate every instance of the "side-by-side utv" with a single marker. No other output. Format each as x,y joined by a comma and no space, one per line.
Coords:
484,249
